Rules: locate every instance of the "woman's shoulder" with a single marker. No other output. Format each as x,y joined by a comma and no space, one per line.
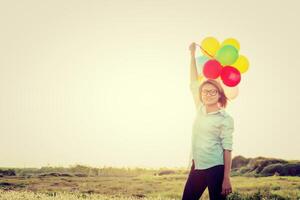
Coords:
226,115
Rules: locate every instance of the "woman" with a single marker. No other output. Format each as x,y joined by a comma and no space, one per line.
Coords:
210,156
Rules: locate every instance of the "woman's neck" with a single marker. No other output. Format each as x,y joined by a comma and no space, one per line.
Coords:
212,108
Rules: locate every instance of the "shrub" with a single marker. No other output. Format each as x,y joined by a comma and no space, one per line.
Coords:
259,163
8,172
166,172
239,161
272,169
291,169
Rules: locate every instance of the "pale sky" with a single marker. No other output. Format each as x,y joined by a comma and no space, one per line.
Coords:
106,83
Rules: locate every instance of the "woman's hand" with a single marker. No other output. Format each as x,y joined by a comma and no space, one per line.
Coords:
193,165
192,48
226,186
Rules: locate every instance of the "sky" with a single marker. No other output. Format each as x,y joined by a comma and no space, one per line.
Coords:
106,83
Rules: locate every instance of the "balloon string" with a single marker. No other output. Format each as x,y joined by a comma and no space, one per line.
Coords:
205,51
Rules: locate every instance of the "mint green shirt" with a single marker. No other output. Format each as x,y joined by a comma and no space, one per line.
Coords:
211,133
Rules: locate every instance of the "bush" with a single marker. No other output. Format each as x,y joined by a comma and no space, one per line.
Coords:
239,161
244,170
259,163
270,170
259,195
166,172
291,169
8,172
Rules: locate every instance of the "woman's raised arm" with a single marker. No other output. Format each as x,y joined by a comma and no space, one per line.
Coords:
194,83
193,71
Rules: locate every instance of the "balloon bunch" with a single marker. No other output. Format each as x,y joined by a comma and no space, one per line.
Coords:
223,63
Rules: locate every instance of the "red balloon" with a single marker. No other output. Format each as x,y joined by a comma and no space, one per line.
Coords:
212,69
230,76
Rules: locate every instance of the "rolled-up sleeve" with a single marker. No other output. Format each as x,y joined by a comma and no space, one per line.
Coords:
227,129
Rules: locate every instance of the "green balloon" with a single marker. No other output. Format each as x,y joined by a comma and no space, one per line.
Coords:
227,55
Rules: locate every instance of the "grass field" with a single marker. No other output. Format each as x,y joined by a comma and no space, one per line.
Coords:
139,186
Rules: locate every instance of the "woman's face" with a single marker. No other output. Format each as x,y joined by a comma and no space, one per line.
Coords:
210,94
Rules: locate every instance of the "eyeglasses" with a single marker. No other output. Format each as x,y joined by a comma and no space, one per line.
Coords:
210,92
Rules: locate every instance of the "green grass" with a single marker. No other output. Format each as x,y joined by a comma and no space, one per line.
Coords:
145,184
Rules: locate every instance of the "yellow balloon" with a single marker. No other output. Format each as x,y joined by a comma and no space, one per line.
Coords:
242,64
211,45
231,41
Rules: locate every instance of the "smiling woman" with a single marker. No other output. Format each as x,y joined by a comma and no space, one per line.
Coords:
212,93
211,142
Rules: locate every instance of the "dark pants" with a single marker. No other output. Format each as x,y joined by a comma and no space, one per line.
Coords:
199,179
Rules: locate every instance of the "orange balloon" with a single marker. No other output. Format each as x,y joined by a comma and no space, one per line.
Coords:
230,92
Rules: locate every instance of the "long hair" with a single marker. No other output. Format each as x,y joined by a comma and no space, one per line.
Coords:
222,99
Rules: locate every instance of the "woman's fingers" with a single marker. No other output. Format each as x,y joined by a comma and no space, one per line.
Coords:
192,46
228,191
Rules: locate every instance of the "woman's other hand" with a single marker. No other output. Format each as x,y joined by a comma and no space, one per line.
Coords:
226,186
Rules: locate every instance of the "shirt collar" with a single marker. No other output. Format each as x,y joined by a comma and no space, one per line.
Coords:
221,110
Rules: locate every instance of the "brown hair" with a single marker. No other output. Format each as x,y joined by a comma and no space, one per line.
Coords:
223,99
